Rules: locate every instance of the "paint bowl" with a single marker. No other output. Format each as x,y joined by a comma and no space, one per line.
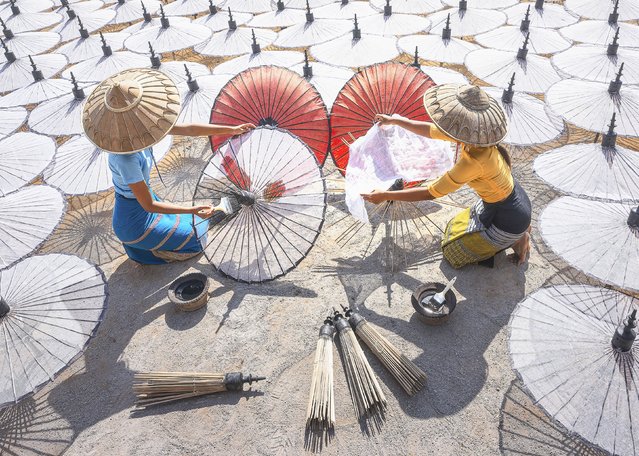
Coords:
190,292
431,314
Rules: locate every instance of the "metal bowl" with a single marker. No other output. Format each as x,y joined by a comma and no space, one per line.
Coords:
190,292
429,314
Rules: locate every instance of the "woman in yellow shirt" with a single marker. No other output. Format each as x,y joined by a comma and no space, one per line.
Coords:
501,218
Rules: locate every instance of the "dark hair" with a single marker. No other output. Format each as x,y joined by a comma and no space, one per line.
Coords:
505,155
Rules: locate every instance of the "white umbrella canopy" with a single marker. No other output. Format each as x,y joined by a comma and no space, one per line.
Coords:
91,21
411,6
36,92
601,9
18,73
606,247
490,4
249,6
437,49
149,21
546,15
561,346
133,10
533,73
602,32
80,168
29,43
11,119
97,69
471,21
175,69
23,156
198,95
529,122
327,79
61,116
186,7
52,307
315,31
171,35
394,24
441,75
284,59
302,4
30,22
79,7
593,63
235,41
28,6
87,46
590,105
541,41
281,17
218,19
346,9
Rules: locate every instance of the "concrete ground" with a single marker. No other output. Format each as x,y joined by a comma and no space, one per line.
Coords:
472,404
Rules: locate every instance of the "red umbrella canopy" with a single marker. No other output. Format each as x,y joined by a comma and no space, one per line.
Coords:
269,95
386,88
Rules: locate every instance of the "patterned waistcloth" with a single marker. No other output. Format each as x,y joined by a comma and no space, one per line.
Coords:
485,229
157,238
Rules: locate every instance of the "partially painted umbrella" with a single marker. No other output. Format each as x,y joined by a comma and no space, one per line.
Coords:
91,21
529,122
28,6
277,97
23,157
603,170
590,105
572,346
171,35
467,21
249,6
148,21
186,7
602,32
390,23
175,69
312,31
281,17
389,88
80,168
29,43
132,10
328,80
235,41
411,6
217,19
534,74
86,46
38,90
96,69
542,14
607,247
24,21
276,186
18,72
11,119
597,9
437,48
441,75
51,308
541,40
356,50
345,9
198,95
599,63
62,115
257,58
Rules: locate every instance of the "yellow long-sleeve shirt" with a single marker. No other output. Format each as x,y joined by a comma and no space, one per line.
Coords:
482,168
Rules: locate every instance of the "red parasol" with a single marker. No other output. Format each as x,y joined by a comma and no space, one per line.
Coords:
386,88
269,95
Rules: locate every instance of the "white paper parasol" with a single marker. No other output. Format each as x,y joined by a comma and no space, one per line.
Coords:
97,69
284,59
281,17
490,4
11,119
29,43
23,156
412,6
593,63
441,75
601,9
437,49
602,32
590,105
546,15
249,6
81,168
186,7
312,31
302,4
40,89
87,46
346,9
28,6
328,80
55,304
80,7
541,41
175,69
198,95
171,35
92,21
533,73
529,122
218,19
394,24
24,21
16,73
606,247
149,21
471,21
235,41
132,10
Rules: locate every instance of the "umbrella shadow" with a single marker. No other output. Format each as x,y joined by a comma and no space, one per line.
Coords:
453,354
524,429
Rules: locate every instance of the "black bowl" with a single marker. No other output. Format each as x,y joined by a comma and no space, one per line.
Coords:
190,292
428,314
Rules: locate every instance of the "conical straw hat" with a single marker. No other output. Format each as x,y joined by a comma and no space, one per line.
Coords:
131,111
466,113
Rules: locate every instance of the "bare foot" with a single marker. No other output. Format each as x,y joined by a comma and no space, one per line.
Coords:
522,248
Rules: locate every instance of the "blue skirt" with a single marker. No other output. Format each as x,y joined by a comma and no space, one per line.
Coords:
157,238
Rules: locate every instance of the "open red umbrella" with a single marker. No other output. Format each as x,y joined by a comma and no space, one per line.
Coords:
278,97
386,88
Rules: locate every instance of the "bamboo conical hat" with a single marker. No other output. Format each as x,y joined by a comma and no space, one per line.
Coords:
466,113
131,110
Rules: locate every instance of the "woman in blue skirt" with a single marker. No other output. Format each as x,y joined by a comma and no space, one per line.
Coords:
126,115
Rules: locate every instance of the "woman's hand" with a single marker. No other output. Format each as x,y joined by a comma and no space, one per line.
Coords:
375,197
383,119
203,211
239,129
